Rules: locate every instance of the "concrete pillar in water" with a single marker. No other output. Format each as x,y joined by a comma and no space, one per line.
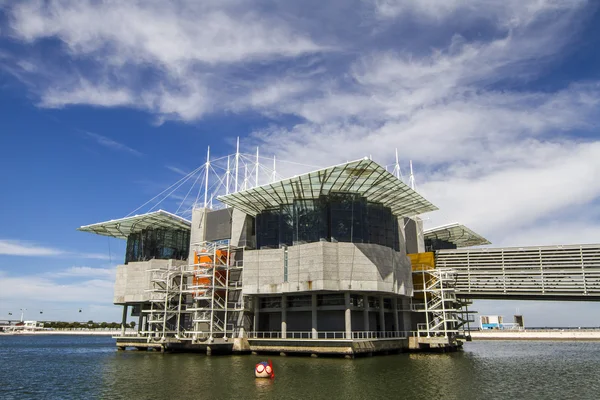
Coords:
283,316
381,315
124,319
366,313
348,316
396,319
315,334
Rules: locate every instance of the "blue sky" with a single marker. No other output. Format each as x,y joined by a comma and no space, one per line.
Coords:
101,103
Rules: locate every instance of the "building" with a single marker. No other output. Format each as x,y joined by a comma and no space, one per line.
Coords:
331,261
487,322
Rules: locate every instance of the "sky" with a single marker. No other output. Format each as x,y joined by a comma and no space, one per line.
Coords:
103,104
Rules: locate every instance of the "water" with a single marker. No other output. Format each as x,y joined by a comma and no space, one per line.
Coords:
71,367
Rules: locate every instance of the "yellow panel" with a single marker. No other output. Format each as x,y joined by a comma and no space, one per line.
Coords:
421,261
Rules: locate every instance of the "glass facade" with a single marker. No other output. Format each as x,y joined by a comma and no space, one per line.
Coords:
339,217
161,244
438,244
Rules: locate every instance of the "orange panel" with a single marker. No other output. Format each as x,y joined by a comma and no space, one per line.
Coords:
422,261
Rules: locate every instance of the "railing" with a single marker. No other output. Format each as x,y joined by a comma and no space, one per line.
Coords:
330,335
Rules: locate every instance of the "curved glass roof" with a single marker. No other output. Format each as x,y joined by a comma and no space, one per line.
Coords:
364,177
121,228
456,233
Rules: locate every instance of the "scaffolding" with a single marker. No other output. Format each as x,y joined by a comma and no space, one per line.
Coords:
444,314
200,301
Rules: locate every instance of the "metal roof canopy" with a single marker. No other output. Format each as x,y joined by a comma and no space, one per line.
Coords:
121,228
364,177
456,233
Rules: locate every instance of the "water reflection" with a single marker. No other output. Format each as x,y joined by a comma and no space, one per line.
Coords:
92,368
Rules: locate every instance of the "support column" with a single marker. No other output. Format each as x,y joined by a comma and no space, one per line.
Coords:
396,319
381,314
140,319
348,316
315,334
283,316
256,301
124,319
366,322
406,315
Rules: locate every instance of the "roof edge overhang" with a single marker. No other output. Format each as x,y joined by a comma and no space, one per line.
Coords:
363,176
456,233
121,228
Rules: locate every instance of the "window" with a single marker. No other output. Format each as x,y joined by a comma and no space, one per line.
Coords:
339,217
267,229
331,299
299,301
270,302
387,304
347,211
357,300
161,244
373,302
310,220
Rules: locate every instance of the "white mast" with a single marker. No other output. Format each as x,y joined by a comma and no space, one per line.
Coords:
245,176
256,169
237,163
227,177
411,180
397,170
273,178
207,167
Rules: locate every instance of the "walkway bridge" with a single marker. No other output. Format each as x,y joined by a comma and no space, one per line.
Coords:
525,273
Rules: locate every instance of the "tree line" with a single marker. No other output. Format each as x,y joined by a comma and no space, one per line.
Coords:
85,325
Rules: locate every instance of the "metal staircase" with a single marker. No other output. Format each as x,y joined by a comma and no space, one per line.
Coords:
215,287
445,317
199,301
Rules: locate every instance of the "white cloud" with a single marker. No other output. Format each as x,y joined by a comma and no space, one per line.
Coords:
193,51
50,297
28,249
507,12
83,272
167,33
112,144
44,289
19,248
84,92
176,170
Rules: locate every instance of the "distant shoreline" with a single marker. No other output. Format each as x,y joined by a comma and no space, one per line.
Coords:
64,333
590,335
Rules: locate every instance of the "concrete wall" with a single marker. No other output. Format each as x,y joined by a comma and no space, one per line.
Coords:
328,266
218,224
197,230
133,281
241,229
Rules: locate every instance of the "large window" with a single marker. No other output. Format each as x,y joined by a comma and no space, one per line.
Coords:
159,244
348,212
339,217
267,229
310,221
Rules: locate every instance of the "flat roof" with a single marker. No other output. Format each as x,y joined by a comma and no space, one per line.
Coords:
456,233
121,228
363,176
